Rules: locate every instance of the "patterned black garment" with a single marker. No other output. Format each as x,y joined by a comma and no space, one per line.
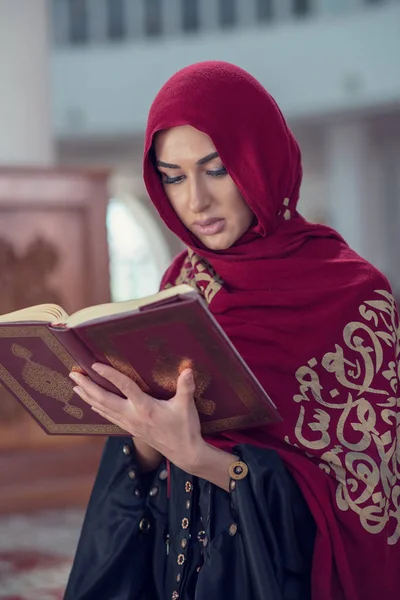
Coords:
170,536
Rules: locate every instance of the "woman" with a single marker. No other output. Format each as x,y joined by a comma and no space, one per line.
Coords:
312,509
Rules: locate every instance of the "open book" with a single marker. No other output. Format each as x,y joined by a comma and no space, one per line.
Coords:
55,315
152,340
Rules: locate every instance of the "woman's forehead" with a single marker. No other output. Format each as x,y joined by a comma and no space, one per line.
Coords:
182,140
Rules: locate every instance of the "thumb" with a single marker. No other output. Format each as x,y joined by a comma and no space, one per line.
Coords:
185,387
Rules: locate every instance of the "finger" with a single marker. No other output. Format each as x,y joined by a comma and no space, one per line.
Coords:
95,395
112,419
86,384
122,382
185,387
99,412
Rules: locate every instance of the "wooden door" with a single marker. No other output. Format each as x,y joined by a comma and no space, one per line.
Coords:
53,248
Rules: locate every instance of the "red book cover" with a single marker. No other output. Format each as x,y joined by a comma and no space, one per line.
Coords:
152,345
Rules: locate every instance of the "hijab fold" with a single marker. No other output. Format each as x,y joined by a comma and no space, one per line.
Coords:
316,323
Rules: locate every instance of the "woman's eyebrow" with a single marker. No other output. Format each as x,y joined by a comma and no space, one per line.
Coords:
206,159
201,161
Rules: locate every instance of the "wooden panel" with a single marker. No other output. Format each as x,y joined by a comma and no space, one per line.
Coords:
56,475
53,248
44,263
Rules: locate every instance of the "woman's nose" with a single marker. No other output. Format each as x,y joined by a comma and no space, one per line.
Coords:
199,198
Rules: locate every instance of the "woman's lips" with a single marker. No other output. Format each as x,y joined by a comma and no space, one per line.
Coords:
209,226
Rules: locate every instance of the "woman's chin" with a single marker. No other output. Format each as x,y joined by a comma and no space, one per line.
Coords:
216,242
219,241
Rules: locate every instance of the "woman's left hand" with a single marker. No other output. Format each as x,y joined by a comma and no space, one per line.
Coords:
170,426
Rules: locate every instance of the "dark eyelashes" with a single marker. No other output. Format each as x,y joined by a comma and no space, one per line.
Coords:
218,173
166,179
169,180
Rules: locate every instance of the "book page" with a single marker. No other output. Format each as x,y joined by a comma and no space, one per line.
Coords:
116,308
44,313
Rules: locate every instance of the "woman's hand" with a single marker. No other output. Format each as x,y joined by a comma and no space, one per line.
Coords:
171,427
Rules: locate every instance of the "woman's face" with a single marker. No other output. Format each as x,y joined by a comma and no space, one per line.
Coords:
199,188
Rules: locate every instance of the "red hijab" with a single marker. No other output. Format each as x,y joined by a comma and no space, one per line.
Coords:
316,324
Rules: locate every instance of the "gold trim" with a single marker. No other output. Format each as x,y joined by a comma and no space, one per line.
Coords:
360,372
24,397
144,525
233,529
238,470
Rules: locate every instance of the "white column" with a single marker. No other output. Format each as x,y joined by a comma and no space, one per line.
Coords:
282,10
246,12
97,21
60,22
208,15
335,7
172,17
134,12
25,102
354,188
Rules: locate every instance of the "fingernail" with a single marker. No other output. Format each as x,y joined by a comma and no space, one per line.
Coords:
78,391
189,376
74,376
97,367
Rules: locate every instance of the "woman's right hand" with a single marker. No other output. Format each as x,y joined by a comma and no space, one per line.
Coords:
148,458
164,429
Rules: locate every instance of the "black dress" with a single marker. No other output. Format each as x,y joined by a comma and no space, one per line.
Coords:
166,536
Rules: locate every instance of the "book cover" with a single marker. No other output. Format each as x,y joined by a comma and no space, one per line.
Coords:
151,345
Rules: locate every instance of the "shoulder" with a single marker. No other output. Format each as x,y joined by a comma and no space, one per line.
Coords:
366,274
367,284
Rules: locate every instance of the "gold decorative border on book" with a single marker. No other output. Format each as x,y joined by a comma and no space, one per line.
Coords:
42,332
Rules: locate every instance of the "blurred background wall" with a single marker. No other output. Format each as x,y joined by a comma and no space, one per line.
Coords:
76,81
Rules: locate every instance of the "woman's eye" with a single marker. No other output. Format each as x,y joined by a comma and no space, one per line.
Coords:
169,180
218,172
179,178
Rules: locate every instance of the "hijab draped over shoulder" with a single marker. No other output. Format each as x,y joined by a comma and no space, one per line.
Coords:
316,323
